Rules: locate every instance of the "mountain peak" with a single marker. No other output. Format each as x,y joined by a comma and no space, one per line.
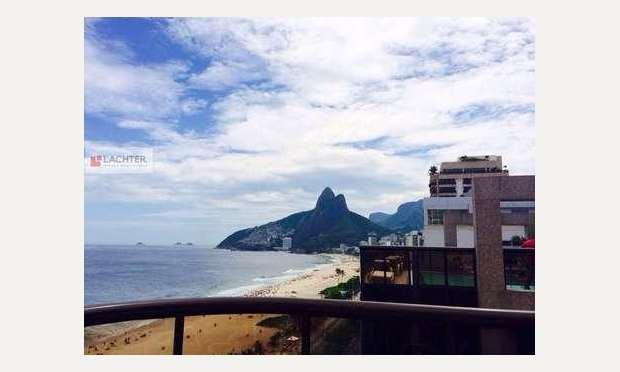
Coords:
340,202
326,196
409,216
328,192
329,224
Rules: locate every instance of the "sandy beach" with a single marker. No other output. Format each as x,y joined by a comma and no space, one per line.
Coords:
223,334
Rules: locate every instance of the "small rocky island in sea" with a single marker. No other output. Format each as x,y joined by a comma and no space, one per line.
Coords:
187,243
139,243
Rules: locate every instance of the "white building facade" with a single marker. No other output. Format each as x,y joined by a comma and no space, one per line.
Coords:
287,243
435,211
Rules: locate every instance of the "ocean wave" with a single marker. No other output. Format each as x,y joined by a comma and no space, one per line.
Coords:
238,291
274,279
297,271
263,281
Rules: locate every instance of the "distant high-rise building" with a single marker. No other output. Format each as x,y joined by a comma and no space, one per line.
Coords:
372,238
412,239
287,243
389,240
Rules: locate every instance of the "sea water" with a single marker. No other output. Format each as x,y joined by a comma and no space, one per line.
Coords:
118,273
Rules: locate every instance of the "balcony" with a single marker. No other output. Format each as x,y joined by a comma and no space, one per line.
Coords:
435,276
308,326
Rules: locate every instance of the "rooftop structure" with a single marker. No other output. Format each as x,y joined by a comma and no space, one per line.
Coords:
455,178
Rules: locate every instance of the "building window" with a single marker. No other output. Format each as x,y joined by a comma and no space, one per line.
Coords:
447,189
435,217
447,181
519,269
451,171
517,210
530,231
475,170
431,268
461,270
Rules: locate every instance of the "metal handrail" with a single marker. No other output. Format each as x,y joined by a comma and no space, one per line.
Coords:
305,309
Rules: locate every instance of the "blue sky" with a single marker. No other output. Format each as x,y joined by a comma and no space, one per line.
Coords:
249,119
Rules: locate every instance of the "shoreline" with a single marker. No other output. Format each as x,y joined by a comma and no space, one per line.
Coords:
309,283
154,336
282,277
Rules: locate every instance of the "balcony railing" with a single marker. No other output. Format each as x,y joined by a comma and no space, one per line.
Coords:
483,328
519,268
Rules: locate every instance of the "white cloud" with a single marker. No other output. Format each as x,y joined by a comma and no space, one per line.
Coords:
117,86
300,90
220,76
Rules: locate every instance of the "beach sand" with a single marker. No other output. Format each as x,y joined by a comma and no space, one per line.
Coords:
219,334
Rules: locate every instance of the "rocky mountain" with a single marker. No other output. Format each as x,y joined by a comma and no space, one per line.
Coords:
378,217
326,226
409,216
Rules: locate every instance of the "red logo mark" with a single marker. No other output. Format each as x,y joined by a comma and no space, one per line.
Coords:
95,161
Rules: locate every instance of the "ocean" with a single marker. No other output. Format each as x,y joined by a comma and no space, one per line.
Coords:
118,273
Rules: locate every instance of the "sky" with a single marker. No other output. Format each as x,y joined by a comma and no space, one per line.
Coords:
250,119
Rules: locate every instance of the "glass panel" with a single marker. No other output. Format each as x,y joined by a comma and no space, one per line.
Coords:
431,266
447,189
386,266
334,336
517,210
519,269
460,269
241,334
141,337
435,217
410,336
447,181
530,231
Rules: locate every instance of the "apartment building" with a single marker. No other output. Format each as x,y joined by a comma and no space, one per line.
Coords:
465,261
287,243
467,257
449,221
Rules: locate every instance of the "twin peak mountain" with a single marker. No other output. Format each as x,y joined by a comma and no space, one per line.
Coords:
328,225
